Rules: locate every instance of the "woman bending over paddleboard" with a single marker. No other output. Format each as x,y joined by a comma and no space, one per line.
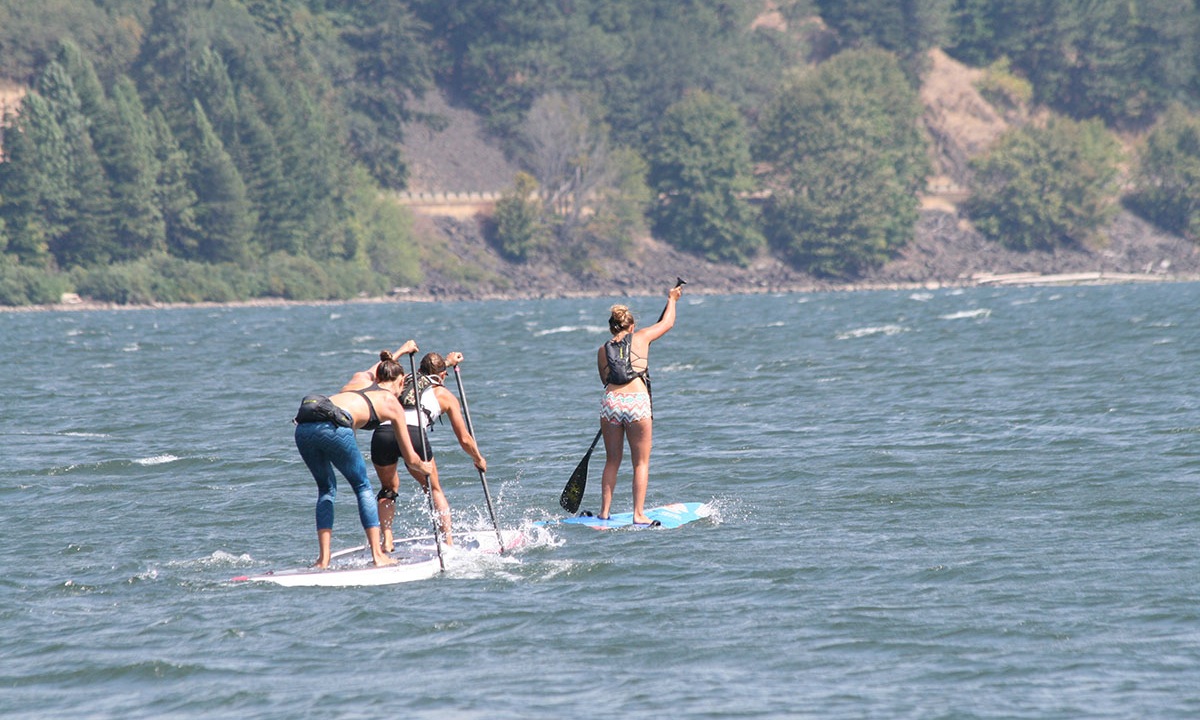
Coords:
625,411
325,438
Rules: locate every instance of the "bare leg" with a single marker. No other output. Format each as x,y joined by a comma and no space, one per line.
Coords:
614,447
377,553
641,436
323,540
389,480
440,505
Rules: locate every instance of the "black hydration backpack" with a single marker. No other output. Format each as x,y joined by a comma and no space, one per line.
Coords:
620,361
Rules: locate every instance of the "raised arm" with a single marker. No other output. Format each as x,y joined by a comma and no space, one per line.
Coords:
408,347
666,321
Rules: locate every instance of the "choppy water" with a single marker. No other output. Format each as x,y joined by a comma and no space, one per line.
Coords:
957,504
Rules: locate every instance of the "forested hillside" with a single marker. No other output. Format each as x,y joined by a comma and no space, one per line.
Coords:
187,150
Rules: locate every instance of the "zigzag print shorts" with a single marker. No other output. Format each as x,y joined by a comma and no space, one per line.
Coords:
625,408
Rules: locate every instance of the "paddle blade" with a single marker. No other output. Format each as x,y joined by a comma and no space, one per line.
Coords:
572,494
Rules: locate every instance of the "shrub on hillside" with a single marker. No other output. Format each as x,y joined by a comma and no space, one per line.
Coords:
21,285
1042,187
518,226
1167,176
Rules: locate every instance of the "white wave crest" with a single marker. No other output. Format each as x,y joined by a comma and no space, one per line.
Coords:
157,460
967,314
869,331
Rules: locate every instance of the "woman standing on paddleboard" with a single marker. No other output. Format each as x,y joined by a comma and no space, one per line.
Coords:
625,411
325,438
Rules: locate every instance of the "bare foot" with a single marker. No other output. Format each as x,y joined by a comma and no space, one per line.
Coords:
383,560
318,565
641,520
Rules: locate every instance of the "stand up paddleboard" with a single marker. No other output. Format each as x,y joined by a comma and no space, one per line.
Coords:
416,560
667,516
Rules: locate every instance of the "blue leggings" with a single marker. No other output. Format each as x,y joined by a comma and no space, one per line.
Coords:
325,446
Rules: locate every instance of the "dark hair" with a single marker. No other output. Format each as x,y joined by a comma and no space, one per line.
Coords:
388,369
619,319
433,364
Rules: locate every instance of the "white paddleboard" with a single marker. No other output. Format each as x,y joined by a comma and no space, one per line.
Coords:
416,560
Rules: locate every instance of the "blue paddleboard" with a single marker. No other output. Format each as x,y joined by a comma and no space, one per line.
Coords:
669,516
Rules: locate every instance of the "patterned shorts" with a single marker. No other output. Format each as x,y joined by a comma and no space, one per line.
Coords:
625,408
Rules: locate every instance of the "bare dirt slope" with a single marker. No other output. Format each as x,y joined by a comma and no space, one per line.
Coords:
945,249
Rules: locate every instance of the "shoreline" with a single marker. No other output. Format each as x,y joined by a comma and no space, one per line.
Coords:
1015,279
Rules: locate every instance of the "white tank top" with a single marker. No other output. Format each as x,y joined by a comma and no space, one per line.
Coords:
430,403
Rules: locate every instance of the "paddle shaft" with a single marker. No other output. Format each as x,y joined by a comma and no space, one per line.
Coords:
487,495
437,525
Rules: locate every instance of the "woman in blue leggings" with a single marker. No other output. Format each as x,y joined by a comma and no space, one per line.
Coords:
325,438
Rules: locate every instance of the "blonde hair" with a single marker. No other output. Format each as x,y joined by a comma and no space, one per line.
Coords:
619,319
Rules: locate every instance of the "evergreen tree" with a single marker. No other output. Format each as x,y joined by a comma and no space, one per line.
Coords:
224,215
279,157
173,195
34,182
847,159
700,170
125,142
87,86
212,87
86,215
319,171
266,184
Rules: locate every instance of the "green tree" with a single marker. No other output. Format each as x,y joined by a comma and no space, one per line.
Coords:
34,181
388,64
224,215
86,235
906,28
700,170
1166,178
173,194
847,159
84,81
1116,60
125,143
621,217
637,58
266,183
518,219
31,34
1041,187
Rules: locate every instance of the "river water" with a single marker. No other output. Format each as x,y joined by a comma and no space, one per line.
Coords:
975,503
